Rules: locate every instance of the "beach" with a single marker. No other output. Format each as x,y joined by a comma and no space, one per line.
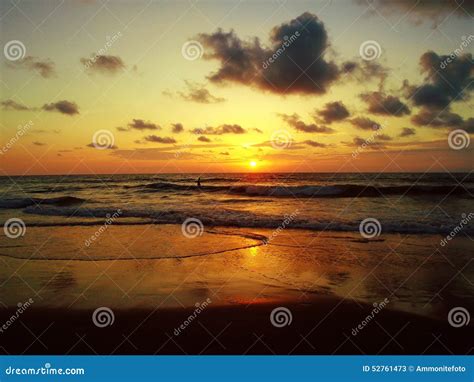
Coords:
230,280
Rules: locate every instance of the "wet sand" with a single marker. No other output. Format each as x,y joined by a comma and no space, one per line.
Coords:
153,278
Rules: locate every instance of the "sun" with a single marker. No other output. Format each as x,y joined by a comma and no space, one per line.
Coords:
253,164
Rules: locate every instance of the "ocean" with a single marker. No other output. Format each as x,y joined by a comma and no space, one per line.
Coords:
431,203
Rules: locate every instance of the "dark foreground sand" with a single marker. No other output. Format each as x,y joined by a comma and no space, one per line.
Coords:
321,327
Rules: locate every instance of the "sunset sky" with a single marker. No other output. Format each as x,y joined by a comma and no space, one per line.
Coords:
331,101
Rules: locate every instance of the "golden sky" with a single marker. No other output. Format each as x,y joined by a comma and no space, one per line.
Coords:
193,86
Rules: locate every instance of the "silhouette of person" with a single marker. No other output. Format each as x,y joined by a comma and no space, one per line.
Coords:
199,182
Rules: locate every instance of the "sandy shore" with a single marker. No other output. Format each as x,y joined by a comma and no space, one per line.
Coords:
152,279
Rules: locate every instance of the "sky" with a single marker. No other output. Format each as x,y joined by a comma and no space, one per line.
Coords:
102,87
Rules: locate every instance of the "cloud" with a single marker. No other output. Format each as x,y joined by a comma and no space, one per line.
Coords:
105,147
154,138
198,93
363,71
202,138
10,104
357,142
293,63
333,111
442,86
315,144
407,131
365,123
380,103
219,130
64,107
224,153
154,154
257,130
418,11
177,128
295,122
384,137
103,64
44,67
442,119
120,128
140,124
36,143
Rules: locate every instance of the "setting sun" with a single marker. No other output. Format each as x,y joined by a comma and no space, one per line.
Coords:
253,164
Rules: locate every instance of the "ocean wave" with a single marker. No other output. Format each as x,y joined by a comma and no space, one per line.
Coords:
231,218
15,203
312,191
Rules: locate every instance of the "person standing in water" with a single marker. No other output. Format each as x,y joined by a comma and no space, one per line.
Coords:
199,182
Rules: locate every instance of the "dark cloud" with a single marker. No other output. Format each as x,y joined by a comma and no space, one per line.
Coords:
365,123
407,131
202,138
418,11
358,142
140,124
363,71
44,67
333,111
102,147
103,64
442,119
380,103
156,139
295,122
64,107
257,130
9,104
219,130
120,128
314,144
224,153
294,63
442,86
198,93
177,128
36,143
384,137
